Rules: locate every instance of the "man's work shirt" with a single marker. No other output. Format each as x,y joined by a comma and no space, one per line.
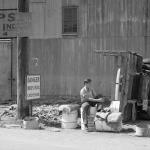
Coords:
86,93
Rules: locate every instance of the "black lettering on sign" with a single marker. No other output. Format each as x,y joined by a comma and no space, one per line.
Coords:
33,94
5,33
3,27
11,17
33,87
29,88
2,16
8,27
34,79
13,26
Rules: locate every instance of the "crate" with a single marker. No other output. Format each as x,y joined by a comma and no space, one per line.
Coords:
31,123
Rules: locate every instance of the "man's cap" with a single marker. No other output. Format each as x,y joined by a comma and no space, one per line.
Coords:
87,80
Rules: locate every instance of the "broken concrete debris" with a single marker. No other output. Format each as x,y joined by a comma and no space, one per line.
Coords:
48,115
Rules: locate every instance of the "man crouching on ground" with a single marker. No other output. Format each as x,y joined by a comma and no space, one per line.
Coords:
87,95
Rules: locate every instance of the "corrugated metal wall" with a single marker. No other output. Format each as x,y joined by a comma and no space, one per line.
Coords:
103,24
8,4
46,16
64,62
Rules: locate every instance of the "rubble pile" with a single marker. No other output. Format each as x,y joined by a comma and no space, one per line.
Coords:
9,112
48,115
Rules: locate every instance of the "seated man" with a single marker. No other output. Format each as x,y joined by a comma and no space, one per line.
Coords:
87,95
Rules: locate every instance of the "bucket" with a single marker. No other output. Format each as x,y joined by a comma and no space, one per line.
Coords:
69,120
142,130
31,123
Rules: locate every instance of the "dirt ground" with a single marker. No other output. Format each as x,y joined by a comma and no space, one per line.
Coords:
60,139
52,138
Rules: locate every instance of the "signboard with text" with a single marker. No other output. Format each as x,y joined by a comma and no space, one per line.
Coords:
13,24
33,87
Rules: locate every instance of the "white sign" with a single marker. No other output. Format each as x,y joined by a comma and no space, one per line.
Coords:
145,105
13,23
33,87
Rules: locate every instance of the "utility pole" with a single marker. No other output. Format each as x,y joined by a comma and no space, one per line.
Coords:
22,67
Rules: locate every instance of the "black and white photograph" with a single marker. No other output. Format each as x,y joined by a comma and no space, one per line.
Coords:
74,74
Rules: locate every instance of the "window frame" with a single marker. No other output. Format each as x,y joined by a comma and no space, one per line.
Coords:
70,33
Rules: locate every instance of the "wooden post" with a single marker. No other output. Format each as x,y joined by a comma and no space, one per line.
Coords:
22,67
